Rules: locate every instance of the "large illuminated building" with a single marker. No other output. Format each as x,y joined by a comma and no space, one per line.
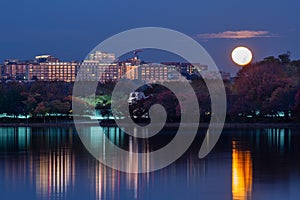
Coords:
13,69
153,72
99,66
43,68
53,71
95,71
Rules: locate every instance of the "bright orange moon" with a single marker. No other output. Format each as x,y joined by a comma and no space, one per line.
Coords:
241,56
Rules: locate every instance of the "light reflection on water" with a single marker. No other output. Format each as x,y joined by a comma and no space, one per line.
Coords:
51,163
54,173
241,173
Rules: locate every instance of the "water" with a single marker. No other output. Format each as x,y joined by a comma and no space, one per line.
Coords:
52,163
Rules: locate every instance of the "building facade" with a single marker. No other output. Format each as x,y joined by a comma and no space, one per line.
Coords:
53,71
44,68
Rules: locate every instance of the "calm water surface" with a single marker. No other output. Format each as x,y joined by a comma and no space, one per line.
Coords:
52,163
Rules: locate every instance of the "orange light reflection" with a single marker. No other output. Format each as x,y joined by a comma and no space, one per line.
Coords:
241,174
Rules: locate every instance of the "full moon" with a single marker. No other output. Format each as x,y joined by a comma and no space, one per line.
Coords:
241,56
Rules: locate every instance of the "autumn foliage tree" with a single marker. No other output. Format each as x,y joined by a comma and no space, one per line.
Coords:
266,89
254,87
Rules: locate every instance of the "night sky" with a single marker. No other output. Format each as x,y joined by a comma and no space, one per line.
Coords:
70,29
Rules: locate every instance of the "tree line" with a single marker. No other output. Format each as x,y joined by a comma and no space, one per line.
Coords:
267,90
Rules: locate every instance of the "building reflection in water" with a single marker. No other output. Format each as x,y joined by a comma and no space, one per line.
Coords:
107,180
241,173
51,171
47,163
278,138
54,173
111,184
15,170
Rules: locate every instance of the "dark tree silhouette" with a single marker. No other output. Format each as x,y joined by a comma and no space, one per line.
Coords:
254,86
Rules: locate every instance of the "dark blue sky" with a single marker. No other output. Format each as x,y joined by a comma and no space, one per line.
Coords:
69,29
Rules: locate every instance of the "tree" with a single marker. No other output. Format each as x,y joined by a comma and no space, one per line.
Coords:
30,104
296,108
281,100
105,111
42,109
12,98
271,59
285,58
57,107
254,86
2,99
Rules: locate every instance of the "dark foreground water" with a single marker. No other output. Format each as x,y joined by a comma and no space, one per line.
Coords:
52,163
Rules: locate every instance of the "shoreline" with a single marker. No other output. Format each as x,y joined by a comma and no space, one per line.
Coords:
169,125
